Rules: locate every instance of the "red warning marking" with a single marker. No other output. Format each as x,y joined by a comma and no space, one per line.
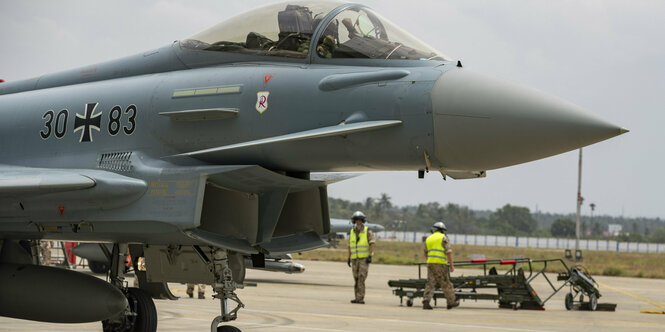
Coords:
62,209
88,71
267,78
2,81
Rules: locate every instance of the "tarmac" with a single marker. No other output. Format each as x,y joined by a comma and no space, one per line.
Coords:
318,300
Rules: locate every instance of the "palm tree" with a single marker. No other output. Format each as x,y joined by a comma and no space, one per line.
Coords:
384,202
369,204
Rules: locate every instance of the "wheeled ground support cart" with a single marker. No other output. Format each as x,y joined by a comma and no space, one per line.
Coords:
513,287
581,285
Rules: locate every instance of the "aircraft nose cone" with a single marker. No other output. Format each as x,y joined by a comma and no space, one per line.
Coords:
482,123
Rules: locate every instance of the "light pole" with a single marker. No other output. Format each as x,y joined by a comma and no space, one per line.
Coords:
579,203
593,207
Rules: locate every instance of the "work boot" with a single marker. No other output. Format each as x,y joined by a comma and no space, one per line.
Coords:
191,295
426,305
358,301
455,304
201,296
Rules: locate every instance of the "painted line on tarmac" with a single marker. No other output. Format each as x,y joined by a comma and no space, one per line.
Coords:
406,321
250,324
644,299
290,327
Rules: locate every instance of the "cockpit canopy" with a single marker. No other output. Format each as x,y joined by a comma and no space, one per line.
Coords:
287,29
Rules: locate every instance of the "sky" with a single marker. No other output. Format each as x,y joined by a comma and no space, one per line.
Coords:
606,56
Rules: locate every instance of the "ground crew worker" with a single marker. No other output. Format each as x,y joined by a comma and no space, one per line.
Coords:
45,250
202,290
361,249
439,266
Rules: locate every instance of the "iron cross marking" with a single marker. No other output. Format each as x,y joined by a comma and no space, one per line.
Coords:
87,122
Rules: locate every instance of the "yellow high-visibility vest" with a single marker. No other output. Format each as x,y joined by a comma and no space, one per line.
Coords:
435,251
360,248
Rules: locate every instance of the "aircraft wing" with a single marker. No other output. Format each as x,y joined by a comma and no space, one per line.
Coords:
34,182
332,177
36,189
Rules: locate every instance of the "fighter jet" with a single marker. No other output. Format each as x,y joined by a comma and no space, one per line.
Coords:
200,152
343,226
340,227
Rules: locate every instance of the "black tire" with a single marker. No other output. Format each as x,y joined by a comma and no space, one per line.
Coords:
99,267
228,328
593,302
569,301
141,303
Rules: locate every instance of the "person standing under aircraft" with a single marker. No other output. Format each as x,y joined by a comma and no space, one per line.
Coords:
45,250
439,266
361,249
202,290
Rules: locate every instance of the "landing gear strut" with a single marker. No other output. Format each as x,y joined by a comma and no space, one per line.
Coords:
140,314
224,288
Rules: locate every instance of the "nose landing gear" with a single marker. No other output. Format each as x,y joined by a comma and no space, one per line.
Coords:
224,288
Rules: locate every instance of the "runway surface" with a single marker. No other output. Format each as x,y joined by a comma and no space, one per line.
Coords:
318,300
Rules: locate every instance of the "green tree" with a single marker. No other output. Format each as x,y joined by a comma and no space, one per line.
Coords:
596,229
512,220
563,228
459,219
629,237
369,203
384,202
658,235
383,208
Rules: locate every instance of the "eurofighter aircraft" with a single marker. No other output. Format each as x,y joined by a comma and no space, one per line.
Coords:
221,145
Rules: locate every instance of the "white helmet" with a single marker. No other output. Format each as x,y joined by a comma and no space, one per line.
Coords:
439,226
358,215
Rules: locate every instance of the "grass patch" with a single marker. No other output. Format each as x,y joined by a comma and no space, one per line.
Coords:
609,263
617,271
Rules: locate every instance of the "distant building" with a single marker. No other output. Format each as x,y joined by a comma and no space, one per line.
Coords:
614,229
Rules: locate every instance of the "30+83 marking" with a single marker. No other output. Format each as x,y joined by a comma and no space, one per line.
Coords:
56,124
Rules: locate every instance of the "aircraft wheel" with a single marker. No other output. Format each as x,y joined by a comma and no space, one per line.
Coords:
593,302
228,328
98,267
146,313
409,303
144,320
569,301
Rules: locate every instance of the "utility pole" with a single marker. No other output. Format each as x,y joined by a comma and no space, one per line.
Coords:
579,203
593,207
